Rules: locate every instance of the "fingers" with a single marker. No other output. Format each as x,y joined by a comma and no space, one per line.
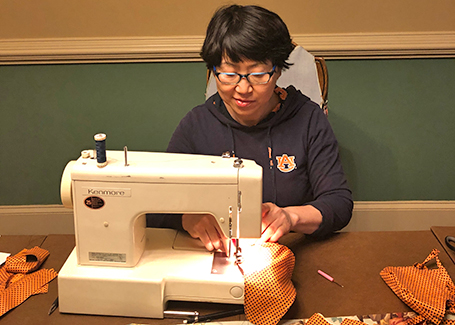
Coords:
212,240
266,207
205,239
273,233
205,228
275,223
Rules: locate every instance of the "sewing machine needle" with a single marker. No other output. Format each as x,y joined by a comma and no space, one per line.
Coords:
229,248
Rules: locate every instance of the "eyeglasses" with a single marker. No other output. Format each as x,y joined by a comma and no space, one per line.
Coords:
233,78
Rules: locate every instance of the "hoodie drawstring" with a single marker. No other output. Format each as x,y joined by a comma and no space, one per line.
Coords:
270,153
271,163
232,141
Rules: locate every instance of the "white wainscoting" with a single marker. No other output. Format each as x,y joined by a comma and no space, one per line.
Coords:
36,220
187,48
367,216
401,215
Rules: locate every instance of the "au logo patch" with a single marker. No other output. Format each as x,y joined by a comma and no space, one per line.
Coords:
286,163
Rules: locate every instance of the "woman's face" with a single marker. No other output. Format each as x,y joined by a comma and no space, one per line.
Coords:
248,104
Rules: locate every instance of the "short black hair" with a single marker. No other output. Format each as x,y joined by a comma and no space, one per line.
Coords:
246,32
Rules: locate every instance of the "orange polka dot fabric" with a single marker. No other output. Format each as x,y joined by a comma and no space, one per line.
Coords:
430,292
19,278
269,291
317,319
27,260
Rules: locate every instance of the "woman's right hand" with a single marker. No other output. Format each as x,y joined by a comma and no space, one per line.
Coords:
205,227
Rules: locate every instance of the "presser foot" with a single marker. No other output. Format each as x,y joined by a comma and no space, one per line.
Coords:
238,256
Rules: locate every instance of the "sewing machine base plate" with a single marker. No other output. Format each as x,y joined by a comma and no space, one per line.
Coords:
162,274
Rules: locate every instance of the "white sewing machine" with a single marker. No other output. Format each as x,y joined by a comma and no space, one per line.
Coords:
120,267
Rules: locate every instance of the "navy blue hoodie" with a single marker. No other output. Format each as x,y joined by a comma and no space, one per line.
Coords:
295,146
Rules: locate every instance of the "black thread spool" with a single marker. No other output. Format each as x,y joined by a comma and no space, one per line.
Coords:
100,141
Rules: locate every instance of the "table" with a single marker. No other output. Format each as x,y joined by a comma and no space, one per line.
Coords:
354,259
441,233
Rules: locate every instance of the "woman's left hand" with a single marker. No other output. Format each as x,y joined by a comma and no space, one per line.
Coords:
276,222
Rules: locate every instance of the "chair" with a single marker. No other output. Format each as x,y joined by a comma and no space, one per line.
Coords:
307,73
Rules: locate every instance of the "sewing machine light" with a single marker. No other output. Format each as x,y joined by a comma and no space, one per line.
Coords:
256,257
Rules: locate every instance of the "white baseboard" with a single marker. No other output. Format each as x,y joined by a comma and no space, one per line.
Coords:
367,216
36,220
401,215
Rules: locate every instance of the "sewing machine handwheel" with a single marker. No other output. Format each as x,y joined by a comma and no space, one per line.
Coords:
66,193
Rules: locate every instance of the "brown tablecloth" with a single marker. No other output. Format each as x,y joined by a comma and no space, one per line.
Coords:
353,259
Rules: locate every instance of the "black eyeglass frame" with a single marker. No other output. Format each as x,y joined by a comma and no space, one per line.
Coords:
241,76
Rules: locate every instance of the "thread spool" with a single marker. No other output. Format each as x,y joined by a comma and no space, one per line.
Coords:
100,141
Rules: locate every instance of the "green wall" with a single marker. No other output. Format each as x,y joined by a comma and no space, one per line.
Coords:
394,120
49,113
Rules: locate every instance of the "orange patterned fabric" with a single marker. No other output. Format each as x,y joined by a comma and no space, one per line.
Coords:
348,321
317,319
18,281
27,260
269,291
429,292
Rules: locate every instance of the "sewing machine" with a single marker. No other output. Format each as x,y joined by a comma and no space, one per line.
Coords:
120,267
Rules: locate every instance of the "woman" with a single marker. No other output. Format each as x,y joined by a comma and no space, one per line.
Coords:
304,187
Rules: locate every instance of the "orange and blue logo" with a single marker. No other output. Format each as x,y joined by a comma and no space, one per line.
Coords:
286,163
